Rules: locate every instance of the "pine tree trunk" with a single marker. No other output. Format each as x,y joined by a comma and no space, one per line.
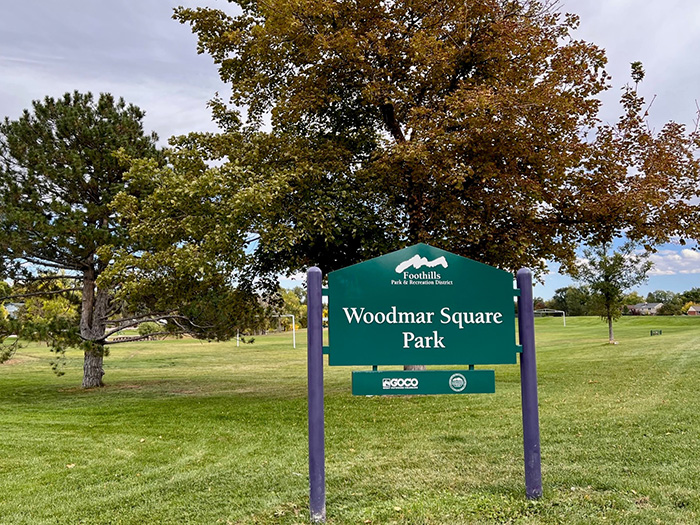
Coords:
92,368
611,336
93,325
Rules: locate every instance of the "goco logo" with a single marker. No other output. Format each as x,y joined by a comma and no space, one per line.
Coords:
399,383
458,382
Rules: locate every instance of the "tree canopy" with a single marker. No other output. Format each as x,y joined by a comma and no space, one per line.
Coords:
573,300
471,126
294,303
61,166
58,175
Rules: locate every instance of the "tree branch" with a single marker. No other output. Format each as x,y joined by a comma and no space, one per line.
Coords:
44,278
389,117
37,294
53,264
138,321
144,317
136,338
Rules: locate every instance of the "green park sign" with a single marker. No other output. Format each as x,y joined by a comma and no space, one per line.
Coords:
421,306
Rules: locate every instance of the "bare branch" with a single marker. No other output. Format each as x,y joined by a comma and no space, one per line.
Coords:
140,320
646,112
38,294
143,317
54,264
392,124
179,325
49,278
136,338
113,308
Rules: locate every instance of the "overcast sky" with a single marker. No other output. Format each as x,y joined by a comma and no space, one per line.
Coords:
133,49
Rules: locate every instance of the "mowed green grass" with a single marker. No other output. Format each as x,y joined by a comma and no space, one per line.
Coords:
191,432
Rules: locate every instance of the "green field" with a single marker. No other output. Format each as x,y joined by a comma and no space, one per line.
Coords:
190,432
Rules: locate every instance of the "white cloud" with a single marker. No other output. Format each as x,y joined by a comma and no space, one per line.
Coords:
672,262
130,49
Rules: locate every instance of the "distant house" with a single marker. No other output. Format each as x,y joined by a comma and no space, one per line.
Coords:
694,310
644,308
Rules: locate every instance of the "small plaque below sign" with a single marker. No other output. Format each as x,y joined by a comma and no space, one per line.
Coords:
423,382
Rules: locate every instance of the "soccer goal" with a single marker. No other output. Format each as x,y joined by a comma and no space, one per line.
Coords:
546,312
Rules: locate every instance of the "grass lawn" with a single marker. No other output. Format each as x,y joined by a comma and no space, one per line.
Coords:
190,432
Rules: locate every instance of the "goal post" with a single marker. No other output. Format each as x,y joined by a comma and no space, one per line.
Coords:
546,312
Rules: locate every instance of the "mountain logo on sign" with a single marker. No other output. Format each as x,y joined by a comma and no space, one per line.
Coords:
419,262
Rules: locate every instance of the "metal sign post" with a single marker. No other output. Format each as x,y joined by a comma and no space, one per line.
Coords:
317,454
421,305
528,387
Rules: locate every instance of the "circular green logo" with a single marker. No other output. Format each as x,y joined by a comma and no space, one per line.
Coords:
458,382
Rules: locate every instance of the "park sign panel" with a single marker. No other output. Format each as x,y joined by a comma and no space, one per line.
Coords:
421,306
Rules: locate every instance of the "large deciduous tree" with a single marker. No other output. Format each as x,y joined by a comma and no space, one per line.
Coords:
469,125
609,274
59,173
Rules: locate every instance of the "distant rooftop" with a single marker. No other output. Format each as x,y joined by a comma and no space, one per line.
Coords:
641,306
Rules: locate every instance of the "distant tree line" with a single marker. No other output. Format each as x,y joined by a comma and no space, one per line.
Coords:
579,300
